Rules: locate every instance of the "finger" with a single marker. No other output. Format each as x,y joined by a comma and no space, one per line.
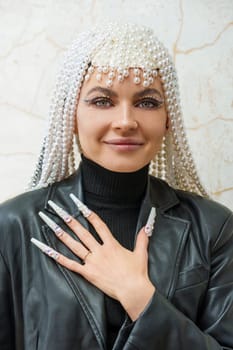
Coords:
76,247
100,227
141,245
84,235
61,259
70,264
98,224
146,232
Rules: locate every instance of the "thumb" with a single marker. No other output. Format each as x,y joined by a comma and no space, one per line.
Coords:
142,243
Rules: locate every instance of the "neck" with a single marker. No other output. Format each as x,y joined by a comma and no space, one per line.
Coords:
115,187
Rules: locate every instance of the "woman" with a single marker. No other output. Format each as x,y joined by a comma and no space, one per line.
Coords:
144,263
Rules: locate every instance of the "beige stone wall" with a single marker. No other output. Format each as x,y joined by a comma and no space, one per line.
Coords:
34,34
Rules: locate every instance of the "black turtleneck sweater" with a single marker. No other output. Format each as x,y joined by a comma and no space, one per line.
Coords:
116,197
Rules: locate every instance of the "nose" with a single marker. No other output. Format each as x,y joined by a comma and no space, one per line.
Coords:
125,120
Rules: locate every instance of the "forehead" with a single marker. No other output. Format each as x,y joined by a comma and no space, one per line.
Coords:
131,84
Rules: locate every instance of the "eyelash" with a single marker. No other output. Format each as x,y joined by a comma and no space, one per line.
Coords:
154,103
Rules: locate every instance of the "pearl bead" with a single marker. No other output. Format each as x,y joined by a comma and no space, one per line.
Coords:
146,83
109,83
111,75
136,80
120,78
105,69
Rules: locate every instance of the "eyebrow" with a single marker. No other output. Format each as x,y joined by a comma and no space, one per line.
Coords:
103,90
112,93
148,92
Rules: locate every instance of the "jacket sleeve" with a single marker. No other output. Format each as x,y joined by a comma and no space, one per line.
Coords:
6,319
162,326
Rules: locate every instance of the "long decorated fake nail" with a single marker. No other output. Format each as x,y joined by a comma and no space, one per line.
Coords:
52,224
81,206
150,222
45,249
61,212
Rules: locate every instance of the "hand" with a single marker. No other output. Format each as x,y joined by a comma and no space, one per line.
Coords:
118,272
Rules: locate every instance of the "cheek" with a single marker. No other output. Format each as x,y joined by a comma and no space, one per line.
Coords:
157,129
84,125
89,130
91,122
85,135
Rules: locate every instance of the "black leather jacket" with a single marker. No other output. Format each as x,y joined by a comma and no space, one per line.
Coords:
44,306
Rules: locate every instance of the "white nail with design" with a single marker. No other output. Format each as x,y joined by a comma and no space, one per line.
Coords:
46,249
150,222
81,206
61,212
52,224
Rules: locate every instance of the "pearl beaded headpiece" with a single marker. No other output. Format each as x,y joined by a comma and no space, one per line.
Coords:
122,52
109,52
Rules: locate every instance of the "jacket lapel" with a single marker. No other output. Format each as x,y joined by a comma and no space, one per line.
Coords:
90,298
168,238
165,250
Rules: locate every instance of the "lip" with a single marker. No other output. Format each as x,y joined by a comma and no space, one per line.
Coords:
124,144
124,141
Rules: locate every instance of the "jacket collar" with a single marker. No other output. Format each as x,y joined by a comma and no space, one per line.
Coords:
158,193
165,245
59,193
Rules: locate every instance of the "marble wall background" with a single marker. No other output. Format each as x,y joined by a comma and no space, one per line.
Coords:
34,34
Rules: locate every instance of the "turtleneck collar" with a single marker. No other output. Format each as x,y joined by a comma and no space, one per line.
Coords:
115,187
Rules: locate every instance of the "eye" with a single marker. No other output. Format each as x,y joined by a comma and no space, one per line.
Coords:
100,102
149,103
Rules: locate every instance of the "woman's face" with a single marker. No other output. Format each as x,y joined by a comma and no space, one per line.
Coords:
121,128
